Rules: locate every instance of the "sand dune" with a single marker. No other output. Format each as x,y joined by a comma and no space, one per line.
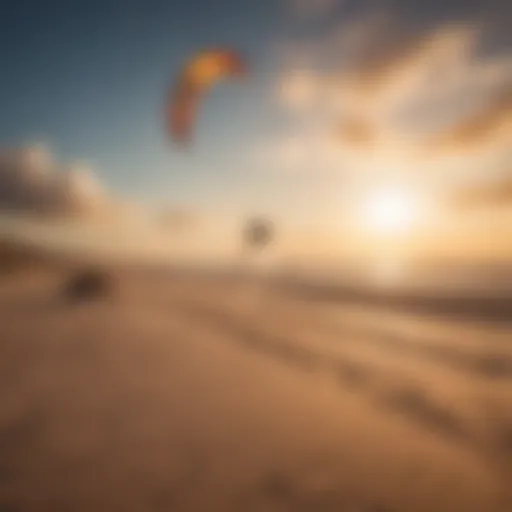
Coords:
189,394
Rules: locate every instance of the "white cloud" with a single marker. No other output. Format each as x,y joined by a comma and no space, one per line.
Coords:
32,182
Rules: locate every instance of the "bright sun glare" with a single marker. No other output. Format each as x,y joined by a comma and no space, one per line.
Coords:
391,210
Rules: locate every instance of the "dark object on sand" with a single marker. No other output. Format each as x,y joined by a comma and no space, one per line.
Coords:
88,285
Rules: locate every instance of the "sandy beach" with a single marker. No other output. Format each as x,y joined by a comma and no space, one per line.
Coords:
191,394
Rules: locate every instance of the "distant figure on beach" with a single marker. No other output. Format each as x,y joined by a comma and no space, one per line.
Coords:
258,233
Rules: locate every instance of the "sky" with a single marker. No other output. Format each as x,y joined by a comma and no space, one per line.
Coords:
343,95
90,78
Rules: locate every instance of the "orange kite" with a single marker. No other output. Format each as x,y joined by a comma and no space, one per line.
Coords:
200,73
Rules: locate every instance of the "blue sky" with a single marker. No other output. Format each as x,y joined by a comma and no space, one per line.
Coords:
90,78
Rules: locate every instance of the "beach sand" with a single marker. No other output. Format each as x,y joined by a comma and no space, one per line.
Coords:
189,394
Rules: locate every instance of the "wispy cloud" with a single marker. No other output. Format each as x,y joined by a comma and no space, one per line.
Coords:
34,185
31,181
418,91
491,125
497,192
299,90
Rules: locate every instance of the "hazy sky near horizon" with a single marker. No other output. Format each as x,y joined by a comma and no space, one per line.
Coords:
90,78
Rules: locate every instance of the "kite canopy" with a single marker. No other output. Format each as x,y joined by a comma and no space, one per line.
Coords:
200,73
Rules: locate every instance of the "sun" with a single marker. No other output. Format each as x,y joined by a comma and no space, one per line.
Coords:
390,210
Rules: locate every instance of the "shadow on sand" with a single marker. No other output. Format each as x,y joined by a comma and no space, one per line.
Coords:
468,307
